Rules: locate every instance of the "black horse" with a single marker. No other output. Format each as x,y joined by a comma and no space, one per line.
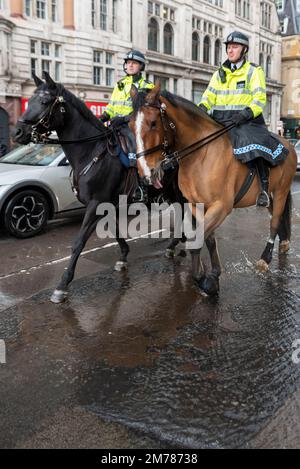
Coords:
98,173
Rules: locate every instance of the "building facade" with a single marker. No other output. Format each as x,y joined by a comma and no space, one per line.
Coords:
289,15
83,43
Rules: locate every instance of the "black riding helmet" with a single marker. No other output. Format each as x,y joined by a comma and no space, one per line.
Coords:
135,55
238,38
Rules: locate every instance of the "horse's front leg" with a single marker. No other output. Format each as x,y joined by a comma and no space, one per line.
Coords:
210,283
214,215
87,228
121,264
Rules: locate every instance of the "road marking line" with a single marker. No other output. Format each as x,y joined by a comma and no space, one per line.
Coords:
294,193
63,259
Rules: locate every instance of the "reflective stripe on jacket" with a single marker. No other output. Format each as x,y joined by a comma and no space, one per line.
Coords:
120,102
245,87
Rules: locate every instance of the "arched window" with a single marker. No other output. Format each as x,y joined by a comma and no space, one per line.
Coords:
261,60
206,50
168,39
153,35
218,50
195,47
268,67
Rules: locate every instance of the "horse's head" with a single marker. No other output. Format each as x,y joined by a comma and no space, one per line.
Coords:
45,112
154,133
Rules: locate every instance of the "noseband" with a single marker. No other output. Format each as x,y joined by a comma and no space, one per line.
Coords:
44,122
167,125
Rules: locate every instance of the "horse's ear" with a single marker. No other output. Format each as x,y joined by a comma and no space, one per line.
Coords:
49,80
133,91
37,80
153,96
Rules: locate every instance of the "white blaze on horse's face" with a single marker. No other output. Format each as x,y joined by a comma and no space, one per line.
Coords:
140,144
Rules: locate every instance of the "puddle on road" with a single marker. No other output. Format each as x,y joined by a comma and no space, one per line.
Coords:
144,349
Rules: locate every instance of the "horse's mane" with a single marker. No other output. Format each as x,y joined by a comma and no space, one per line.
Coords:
175,100
81,107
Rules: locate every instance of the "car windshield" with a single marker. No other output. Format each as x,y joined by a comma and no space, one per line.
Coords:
33,155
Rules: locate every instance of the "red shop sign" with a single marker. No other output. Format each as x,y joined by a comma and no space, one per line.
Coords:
96,107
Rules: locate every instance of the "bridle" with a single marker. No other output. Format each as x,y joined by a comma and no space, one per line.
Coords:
44,121
168,125
40,131
171,159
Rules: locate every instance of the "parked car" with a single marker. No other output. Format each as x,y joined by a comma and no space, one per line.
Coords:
297,148
35,187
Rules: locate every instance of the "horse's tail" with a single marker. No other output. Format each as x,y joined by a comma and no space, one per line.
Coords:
285,227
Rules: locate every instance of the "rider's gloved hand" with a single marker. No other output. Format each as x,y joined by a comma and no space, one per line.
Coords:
242,117
203,107
104,117
120,120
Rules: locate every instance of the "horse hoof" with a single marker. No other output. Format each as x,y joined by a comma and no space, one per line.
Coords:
170,253
284,246
262,266
58,296
209,284
121,266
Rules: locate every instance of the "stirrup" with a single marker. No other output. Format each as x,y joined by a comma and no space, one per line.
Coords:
140,195
263,199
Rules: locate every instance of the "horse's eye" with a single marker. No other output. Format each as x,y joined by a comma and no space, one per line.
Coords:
153,125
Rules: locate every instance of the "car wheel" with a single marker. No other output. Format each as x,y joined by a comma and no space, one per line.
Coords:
26,214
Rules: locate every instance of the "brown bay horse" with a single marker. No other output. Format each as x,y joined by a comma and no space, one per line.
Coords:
209,175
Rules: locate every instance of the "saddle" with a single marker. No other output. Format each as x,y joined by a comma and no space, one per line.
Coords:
126,139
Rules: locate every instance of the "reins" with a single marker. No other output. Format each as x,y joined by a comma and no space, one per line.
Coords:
173,158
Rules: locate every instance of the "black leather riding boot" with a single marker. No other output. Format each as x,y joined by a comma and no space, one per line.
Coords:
263,199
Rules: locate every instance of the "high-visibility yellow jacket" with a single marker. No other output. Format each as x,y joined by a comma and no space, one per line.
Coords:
121,103
245,87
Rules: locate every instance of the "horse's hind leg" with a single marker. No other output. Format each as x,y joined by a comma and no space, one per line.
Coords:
122,264
86,229
280,224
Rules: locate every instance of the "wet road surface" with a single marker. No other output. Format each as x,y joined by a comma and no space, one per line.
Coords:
141,359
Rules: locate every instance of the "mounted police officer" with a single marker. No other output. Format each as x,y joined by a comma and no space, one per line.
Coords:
120,105
237,94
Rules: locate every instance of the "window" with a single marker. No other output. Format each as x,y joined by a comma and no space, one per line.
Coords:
164,82
268,109
261,60
168,39
279,5
46,56
153,35
268,67
54,10
242,8
218,52
41,9
104,14
93,14
197,91
206,50
114,16
28,7
103,71
195,47
266,11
